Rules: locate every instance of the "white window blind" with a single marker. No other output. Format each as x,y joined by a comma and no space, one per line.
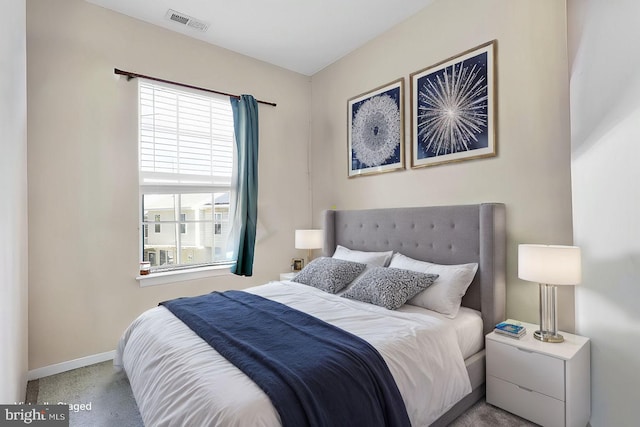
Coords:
185,137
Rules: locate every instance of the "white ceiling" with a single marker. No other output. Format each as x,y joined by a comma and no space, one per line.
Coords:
301,35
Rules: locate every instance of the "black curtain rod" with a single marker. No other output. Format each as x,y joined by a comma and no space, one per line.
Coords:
131,75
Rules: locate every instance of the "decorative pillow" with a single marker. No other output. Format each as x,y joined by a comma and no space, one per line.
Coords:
329,274
445,296
388,287
374,258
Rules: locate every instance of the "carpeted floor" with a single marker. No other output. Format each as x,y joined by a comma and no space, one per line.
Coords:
484,415
108,392
112,403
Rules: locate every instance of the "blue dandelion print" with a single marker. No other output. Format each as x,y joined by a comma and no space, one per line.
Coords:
375,131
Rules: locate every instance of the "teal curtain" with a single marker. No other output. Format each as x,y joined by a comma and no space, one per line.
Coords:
244,191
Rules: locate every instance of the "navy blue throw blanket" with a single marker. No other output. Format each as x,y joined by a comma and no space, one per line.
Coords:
314,373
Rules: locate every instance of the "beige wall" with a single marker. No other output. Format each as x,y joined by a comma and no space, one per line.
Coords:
82,160
605,133
82,151
13,205
531,173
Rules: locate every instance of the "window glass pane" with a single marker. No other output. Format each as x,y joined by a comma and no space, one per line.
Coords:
159,241
202,225
194,250
196,246
193,205
221,228
159,207
160,255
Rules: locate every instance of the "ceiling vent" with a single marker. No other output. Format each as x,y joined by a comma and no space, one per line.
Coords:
187,20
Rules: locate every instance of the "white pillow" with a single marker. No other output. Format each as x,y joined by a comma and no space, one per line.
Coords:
445,295
380,259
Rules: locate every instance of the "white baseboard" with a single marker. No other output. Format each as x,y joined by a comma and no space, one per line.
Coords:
46,371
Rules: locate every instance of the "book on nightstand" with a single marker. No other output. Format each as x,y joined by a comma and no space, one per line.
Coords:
510,329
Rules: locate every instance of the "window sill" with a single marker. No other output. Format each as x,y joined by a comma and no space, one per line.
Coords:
165,277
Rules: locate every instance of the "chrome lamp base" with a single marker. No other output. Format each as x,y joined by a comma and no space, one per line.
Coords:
548,331
548,337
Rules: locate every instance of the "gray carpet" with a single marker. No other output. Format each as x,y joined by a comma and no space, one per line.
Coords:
484,415
112,402
108,392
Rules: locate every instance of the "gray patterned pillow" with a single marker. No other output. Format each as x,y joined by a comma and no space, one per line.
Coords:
389,287
329,274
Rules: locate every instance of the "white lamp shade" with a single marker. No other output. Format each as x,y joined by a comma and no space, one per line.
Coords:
309,239
550,264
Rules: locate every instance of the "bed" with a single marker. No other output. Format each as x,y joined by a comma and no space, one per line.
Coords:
178,379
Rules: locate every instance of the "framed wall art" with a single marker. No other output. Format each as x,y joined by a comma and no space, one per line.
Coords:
375,135
297,264
453,109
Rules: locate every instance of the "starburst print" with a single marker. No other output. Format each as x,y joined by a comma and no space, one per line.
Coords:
452,109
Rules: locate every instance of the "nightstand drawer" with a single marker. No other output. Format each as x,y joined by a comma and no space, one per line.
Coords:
528,369
536,407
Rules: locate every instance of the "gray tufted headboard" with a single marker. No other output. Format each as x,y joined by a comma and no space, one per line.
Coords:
438,234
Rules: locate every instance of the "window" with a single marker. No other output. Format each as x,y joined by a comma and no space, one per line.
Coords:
157,224
218,223
185,164
183,225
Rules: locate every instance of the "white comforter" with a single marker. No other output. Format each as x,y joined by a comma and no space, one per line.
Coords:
179,380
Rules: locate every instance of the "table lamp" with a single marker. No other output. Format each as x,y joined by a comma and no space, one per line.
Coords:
551,266
309,239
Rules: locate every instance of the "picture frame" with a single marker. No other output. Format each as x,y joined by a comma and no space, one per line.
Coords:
453,108
375,134
297,264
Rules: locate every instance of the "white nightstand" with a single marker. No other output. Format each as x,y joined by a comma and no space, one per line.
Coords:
547,383
288,276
